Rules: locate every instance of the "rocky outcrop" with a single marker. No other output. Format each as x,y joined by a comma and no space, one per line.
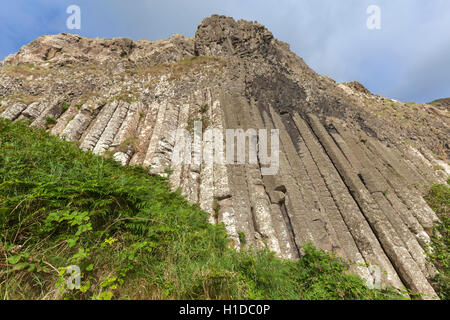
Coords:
443,103
350,179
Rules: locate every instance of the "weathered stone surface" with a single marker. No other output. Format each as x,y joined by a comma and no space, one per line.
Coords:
392,244
14,111
77,126
64,120
180,142
156,134
53,111
145,133
307,209
33,111
393,181
109,133
360,228
126,138
93,135
222,36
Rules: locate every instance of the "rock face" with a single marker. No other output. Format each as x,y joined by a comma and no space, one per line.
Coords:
442,103
352,165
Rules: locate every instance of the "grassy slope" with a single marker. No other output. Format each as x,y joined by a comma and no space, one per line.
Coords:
439,200
131,236
443,103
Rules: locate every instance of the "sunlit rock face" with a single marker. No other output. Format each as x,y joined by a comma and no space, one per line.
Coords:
352,166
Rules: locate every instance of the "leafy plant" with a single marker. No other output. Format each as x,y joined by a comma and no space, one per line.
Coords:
50,121
65,106
438,198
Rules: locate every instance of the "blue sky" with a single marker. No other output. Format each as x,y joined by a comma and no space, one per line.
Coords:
407,59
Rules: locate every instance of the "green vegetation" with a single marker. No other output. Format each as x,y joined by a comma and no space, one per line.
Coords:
216,208
204,121
24,70
412,104
178,69
65,106
22,97
439,200
50,121
204,108
130,142
441,103
131,236
242,237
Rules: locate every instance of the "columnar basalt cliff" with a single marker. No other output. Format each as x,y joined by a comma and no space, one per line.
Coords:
353,165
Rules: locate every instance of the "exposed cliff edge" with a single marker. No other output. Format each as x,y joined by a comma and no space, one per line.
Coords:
353,165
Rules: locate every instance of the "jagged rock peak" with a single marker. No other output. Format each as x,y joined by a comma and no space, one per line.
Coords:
357,86
218,36
69,49
223,36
